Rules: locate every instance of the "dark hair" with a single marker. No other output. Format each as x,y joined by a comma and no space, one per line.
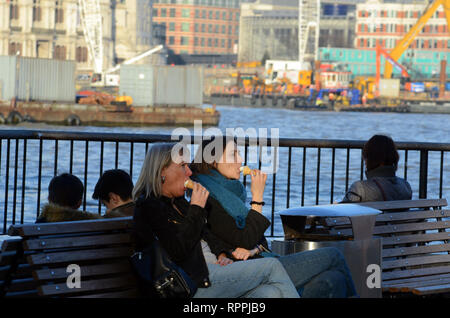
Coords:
380,150
116,181
66,190
202,166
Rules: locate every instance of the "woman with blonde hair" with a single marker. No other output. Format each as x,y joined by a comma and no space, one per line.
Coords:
180,226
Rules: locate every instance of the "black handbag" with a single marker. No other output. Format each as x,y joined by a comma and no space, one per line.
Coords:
158,276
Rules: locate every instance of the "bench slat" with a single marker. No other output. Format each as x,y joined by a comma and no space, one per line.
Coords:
71,227
397,274
86,271
82,241
405,204
11,244
344,221
414,250
432,289
415,261
415,238
418,281
398,228
131,293
86,286
79,255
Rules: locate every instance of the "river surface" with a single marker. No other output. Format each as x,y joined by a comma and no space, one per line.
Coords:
290,123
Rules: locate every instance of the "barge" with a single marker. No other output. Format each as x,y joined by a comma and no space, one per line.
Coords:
105,115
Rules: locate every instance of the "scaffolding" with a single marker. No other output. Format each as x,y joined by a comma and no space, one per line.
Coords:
309,30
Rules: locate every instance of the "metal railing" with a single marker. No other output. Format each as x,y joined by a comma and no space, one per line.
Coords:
310,171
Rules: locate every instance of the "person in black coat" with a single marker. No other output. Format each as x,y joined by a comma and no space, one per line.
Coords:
318,273
180,226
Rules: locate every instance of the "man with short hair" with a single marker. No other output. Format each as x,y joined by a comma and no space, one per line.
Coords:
65,194
113,189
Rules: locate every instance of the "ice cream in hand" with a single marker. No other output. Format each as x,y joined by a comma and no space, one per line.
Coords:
246,170
189,184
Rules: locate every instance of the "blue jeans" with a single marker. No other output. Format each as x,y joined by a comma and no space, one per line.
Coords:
257,278
321,273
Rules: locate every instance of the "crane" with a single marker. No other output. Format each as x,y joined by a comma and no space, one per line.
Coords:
392,62
404,43
91,21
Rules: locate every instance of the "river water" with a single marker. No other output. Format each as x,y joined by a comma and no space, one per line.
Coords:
290,123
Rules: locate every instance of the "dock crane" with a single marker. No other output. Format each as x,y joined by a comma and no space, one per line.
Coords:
404,43
392,62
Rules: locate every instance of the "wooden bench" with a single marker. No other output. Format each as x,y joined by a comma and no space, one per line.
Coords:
15,274
100,248
416,245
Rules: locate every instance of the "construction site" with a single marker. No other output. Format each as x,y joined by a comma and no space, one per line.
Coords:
282,62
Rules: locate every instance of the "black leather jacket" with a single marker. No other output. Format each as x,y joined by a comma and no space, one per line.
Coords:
179,233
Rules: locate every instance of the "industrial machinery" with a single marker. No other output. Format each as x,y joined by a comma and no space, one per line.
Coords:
404,43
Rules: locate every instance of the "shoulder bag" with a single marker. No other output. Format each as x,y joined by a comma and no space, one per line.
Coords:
158,276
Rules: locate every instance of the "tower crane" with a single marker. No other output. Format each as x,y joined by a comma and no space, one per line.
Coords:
91,21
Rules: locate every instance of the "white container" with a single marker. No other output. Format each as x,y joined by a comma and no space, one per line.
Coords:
32,79
389,87
151,85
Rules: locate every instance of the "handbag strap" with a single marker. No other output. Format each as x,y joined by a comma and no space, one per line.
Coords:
381,189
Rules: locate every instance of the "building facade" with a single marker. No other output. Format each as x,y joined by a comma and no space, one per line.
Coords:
270,27
388,23
199,26
53,29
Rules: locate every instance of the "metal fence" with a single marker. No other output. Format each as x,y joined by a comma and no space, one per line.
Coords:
310,171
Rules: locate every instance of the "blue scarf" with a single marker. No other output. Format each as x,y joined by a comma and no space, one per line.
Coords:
231,194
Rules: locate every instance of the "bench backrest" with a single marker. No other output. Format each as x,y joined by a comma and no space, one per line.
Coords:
15,274
416,243
100,249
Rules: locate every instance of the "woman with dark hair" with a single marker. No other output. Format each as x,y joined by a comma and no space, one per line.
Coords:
318,273
381,157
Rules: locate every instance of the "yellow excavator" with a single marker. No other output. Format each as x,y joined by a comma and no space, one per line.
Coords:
404,43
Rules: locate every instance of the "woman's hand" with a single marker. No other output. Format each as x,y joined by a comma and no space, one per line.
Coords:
242,253
258,185
199,195
223,260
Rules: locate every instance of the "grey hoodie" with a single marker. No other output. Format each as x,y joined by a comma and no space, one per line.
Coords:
393,188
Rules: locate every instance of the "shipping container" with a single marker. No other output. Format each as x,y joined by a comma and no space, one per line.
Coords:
32,79
389,87
7,77
151,85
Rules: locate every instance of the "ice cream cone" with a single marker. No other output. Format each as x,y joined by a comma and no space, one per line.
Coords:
189,184
246,170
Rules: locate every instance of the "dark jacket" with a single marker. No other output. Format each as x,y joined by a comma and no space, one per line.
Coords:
224,227
381,185
121,211
178,233
56,213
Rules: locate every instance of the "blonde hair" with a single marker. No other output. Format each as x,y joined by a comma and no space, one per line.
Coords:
158,157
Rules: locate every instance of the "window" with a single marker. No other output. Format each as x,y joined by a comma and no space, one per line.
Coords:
172,13
59,52
14,11
172,26
184,40
15,48
171,40
59,14
37,12
81,54
163,12
185,13
185,27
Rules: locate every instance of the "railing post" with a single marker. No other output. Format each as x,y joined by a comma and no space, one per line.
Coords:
423,179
